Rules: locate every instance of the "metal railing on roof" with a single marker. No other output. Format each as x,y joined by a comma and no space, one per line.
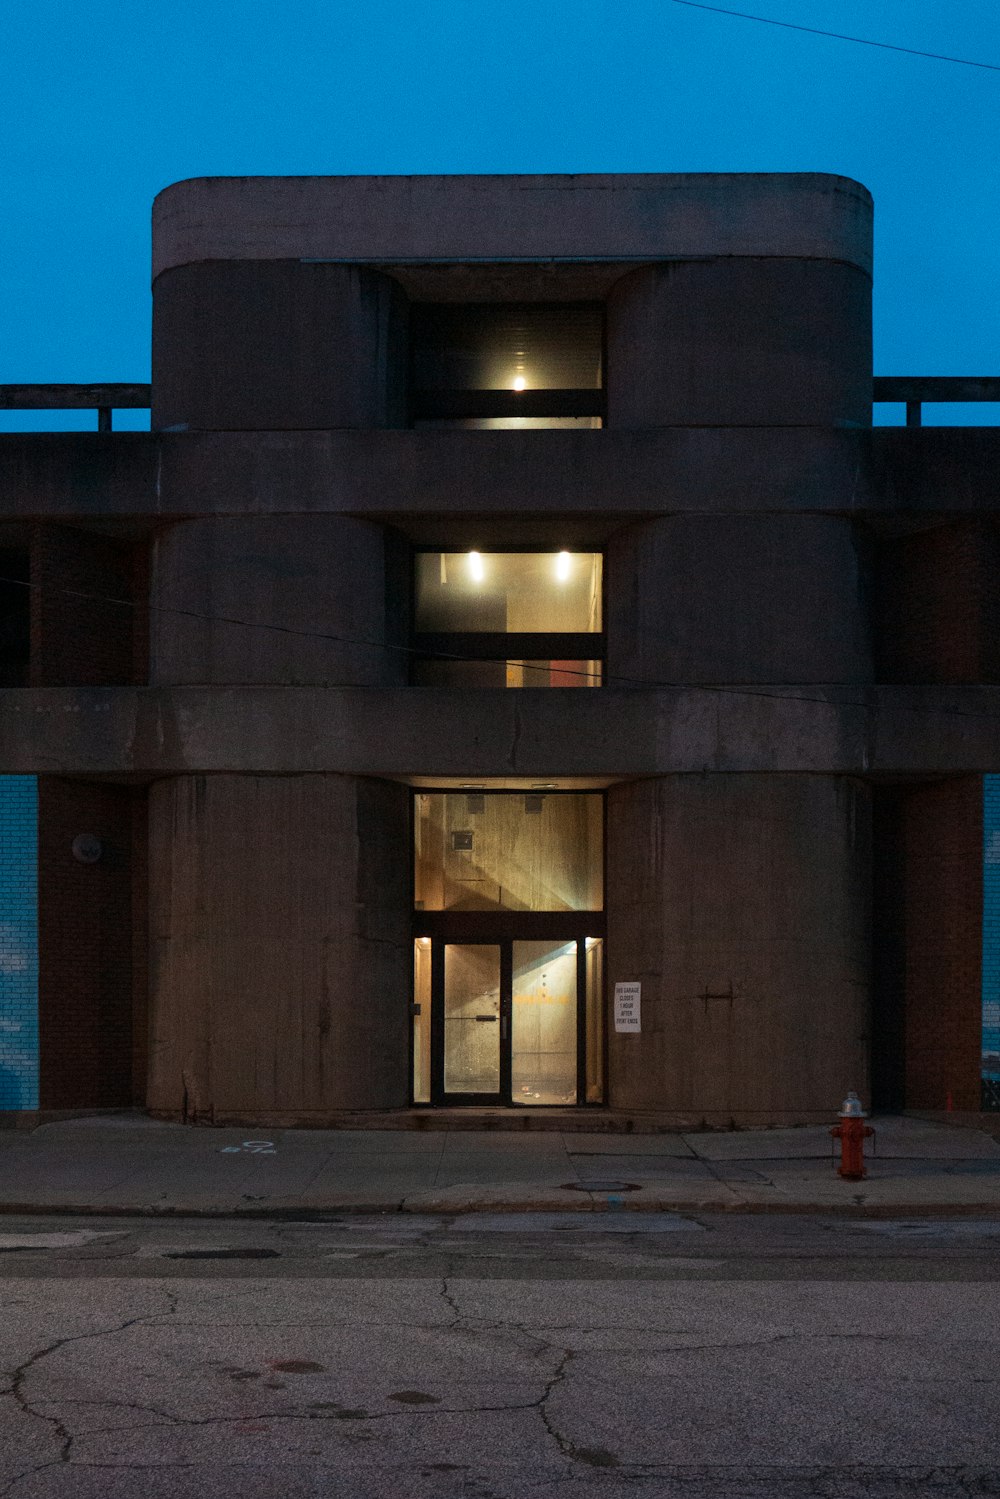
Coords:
100,398
912,391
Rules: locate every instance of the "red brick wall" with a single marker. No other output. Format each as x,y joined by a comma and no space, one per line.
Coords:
942,847
140,943
91,956
888,950
78,638
939,606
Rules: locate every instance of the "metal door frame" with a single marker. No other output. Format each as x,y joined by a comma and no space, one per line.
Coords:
502,930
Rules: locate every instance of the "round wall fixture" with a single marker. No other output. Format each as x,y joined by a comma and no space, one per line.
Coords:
86,848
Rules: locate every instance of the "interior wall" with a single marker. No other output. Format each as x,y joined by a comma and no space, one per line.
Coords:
511,852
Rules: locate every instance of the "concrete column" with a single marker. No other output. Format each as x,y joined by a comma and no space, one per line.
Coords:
741,903
738,598
280,946
289,599
270,345
740,342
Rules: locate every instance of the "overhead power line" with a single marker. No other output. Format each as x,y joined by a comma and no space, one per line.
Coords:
838,36
775,693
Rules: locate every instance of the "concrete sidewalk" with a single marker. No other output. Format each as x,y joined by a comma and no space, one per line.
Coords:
132,1164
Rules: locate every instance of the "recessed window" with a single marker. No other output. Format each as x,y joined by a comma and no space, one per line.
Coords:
508,619
15,611
507,365
526,852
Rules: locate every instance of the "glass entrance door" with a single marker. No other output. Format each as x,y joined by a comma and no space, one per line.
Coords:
472,1021
513,1021
543,1029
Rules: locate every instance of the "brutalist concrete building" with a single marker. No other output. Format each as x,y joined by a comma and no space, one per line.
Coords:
511,673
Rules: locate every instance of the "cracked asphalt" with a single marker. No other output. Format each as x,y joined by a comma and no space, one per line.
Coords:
495,1356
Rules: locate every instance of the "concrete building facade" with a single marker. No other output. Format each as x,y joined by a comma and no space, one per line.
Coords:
306,845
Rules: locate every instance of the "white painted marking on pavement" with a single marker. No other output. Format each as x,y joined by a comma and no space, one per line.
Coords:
67,1240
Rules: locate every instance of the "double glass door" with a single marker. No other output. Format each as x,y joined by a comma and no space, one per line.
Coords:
512,1021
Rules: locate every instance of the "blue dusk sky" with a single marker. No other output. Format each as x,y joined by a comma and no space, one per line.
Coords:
104,104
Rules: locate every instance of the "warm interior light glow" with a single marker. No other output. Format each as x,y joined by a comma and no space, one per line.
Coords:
477,572
564,564
520,382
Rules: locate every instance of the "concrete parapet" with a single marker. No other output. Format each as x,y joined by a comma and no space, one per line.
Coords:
580,216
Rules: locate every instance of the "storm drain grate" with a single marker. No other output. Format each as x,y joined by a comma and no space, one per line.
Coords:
600,1186
223,1254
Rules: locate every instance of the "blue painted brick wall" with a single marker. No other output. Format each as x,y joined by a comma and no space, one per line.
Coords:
18,942
991,942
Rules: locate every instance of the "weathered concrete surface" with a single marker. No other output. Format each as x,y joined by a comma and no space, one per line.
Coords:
134,1164
630,216
280,946
320,581
484,732
737,598
258,346
609,477
741,903
739,341
73,476
448,1362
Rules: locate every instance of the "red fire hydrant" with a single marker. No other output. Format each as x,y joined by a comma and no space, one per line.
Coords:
852,1132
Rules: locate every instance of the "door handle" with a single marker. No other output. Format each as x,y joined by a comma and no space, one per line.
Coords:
486,1017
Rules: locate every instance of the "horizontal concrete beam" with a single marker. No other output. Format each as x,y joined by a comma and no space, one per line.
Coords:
78,476
392,475
621,216
609,732
928,470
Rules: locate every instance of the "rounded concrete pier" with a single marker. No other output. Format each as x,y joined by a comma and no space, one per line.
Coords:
740,341
292,600
741,904
281,952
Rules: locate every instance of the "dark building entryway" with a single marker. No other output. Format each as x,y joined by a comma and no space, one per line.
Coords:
508,1002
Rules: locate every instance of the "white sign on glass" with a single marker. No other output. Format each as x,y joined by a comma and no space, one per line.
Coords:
628,998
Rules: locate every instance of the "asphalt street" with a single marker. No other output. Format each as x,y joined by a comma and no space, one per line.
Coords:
569,1356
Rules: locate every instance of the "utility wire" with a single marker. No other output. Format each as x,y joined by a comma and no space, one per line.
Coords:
603,678
839,36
